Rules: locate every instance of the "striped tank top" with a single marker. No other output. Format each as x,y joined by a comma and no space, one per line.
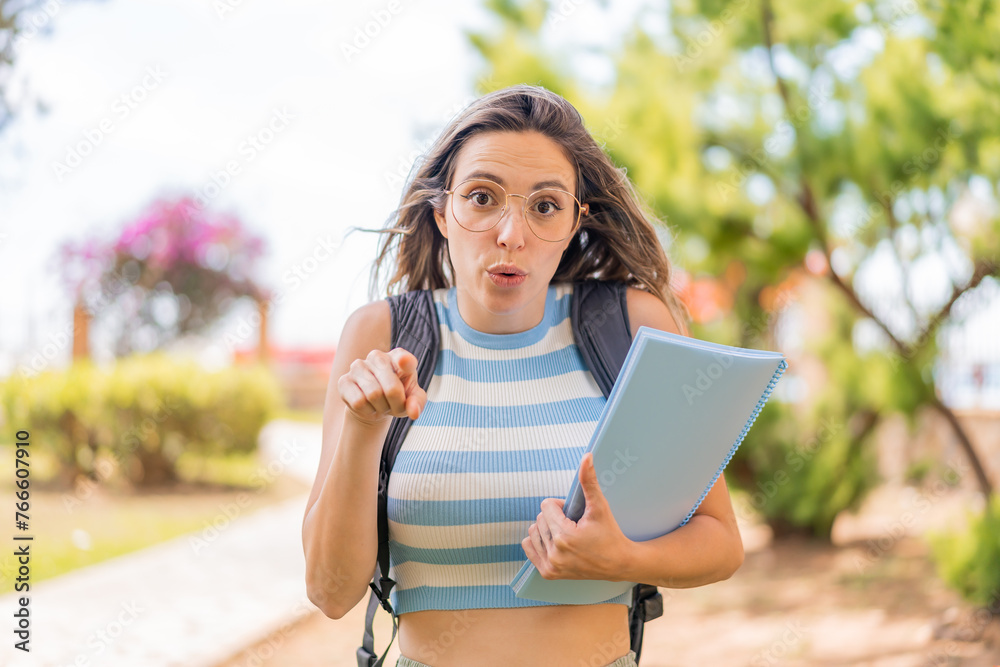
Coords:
507,421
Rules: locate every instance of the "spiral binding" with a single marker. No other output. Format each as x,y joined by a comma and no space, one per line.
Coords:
753,417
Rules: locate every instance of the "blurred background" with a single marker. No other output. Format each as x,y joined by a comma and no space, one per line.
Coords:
179,183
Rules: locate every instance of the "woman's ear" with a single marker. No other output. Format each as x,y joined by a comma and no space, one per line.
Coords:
442,225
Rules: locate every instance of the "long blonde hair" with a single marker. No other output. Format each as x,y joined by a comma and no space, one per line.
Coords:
616,241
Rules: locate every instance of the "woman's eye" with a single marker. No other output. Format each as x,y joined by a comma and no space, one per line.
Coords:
480,198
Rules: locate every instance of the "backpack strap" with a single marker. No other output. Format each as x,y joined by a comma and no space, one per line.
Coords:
414,328
601,328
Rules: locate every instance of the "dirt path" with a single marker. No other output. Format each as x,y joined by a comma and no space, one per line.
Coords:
792,603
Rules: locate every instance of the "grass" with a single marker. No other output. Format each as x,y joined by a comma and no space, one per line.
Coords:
98,521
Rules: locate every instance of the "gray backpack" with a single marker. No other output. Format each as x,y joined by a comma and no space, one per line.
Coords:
601,331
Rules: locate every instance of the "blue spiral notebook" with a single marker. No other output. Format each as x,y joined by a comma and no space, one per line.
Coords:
676,415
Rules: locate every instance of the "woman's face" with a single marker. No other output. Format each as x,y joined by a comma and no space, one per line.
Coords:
520,162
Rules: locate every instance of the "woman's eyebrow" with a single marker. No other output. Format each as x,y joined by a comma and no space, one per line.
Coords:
498,180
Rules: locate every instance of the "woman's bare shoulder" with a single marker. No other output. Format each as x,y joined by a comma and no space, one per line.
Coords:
370,327
646,309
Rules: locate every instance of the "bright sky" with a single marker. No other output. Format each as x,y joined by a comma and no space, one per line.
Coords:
197,85
168,93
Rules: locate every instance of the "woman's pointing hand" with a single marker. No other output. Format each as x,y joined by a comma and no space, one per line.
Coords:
382,386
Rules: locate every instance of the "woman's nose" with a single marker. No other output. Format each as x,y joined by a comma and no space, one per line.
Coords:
512,226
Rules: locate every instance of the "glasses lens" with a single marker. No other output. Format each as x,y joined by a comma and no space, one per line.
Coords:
552,214
476,205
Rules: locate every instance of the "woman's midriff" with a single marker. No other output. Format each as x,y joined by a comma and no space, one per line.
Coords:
571,635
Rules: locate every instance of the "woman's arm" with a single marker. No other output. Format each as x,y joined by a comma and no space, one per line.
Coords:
339,529
707,548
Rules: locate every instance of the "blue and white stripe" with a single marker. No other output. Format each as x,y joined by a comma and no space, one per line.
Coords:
507,420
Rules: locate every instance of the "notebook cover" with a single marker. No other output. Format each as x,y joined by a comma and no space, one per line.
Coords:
674,418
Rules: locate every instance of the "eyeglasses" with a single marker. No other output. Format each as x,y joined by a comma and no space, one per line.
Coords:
552,214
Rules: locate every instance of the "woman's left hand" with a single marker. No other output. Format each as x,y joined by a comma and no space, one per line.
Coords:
591,548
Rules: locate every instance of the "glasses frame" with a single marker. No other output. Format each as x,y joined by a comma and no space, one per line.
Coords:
581,209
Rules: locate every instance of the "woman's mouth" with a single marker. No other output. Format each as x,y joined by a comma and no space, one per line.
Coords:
509,277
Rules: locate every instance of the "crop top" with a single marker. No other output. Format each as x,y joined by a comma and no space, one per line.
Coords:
507,420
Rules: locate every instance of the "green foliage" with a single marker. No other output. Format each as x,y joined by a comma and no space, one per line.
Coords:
917,471
143,412
120,530
802,464
970,560
788,138
97,522
800,471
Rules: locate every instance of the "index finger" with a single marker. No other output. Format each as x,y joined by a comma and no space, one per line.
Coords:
403,361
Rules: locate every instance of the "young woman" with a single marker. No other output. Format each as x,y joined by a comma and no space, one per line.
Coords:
513,203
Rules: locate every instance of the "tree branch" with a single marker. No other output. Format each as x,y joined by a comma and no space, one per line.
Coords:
982,270
890,215
807,201
742,154
963,440
768,19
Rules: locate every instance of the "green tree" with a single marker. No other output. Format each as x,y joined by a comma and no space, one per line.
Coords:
787,137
